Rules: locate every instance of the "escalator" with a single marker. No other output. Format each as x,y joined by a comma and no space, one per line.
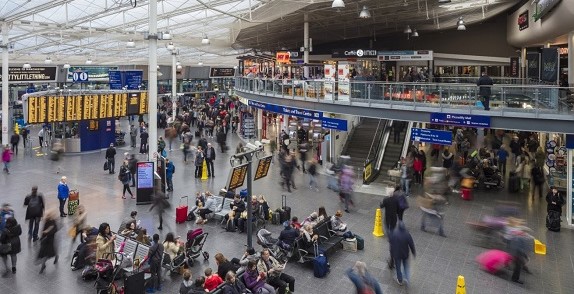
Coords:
365,135
392,152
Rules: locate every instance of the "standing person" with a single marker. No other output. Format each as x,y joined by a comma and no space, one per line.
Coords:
538,180
346,185
63,194
160,204
155,255
209,158
502,156
554,202
133,135
464,148
401,243
34,212
221,139
11,235
303,155
6,158
398,127
447,159
485,83
41,137
125,178
418,169
160,146
143,141
15,140
48,241
313,175
24,133
169,171
364,282
111,158
132,166
273,270
406,176
199,162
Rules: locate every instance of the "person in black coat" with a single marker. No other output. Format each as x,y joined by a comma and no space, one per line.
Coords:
132,166
209,158
143,141
484,84
223,265
233,285
34,212
11,235
47,243
391,206
401,245
554,201
14,140
110,157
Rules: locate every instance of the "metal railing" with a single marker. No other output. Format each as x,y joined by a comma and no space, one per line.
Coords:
534,99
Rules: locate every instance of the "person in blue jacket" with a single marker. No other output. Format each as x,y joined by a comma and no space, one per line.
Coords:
63,194
169,171
364,282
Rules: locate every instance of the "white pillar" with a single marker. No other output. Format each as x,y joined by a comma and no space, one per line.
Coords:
5,87
152,77
306,45
523,64
259,124
173,85
571,58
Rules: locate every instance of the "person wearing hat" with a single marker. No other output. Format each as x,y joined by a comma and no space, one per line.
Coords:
209,158
63,194
110,157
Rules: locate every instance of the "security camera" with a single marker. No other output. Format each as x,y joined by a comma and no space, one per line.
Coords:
258,144
251,146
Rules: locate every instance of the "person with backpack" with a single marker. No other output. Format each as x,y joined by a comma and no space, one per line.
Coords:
155,255
364,282
538,180
125,178
169,171
34,212
401,243
10,238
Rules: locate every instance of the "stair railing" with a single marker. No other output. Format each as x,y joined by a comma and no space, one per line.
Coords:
372,165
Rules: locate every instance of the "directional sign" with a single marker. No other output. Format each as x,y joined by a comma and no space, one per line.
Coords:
431,136
80,76
263,167
334,123
465,120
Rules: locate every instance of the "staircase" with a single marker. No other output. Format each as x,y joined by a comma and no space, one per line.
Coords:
390,158
358,144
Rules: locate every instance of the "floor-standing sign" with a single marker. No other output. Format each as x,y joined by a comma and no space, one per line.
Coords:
343,74
145,182
330,77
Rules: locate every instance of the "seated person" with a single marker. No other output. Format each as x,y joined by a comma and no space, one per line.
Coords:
187,283
198,286
273,270
86,254
143,237
250,254
287,236
199,200
264,207
230,193
255,281
209,207
237,207
309,238
233,285
224,265
295,223
171,246
322,214
129,230
311,219
336,223
212,280
131,218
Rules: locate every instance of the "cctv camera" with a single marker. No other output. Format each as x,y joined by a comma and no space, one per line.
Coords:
258,144
251,146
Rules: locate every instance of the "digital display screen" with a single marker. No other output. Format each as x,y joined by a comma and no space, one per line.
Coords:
262,167
145,172
237,178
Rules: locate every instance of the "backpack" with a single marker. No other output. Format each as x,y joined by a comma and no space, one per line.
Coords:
403,203
124,175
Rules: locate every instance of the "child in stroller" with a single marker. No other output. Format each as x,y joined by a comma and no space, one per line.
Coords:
194,245
267,241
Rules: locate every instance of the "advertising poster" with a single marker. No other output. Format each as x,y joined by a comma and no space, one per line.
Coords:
343,77
514,67
330,77
533,63
550,65
144,182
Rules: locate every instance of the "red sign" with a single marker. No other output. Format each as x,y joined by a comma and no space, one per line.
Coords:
523,20
283,57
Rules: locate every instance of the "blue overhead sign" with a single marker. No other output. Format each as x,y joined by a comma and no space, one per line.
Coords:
465,120
287,110
334,123
131,79
80,76
431,136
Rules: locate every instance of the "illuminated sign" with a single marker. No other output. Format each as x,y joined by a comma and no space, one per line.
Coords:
263,167
283,57
34,74
362,53
523,20
237,178
217,72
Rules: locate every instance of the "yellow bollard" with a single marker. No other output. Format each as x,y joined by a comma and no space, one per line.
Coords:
539,247
204,171
17,129
460,285
378,230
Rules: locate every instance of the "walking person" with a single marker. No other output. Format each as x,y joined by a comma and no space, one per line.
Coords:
111,158
155,255
78,225
14,141
169,171
347,180
132,166
362,279
34,212
209,158
24,133
517,246
538,180
144,136
63,194
125,178
199,162
133,135
6,158
10,239
48,241
484,89
401,245
41,137
160,204
391,206
313,175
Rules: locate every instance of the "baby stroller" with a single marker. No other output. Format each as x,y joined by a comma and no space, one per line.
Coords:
108,271
265,239
491,177
194,245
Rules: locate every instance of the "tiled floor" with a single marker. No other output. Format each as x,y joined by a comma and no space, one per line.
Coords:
434,270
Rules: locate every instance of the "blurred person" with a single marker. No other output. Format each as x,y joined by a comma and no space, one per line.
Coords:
362,279
132,167
538,179
35,206
406,176
401,245
418,170
78,224
48,240
143,237
502,156
6,212
431,207
160,204
518,248
312,170
125,178
6,158
346,181
10,234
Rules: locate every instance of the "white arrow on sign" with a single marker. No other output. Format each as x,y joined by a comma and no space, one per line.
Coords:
80,76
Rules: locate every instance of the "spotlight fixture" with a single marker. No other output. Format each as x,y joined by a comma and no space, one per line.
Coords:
460,23
444,1
26,65
415,33
166,36
66,65
338,4
178,63
200,63
48,60
178,66
130,43
408,30
89,61
205,40
365,13
170,46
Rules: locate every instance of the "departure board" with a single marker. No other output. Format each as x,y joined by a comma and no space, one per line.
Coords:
60,108
237,177
263,167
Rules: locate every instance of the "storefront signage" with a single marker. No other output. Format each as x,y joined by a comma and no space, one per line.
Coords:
60,108
431,136
130,79
550,65
262,167
34,74
237,177
355,53
523,20
343,76
405,55
282,56
334,124
514,67
221,72
330,72
533,65
465,120
95,73
287,110
543,7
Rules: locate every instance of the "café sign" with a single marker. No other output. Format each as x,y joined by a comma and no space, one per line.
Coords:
354,53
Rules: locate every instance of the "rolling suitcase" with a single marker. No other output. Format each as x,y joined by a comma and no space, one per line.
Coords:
276,218
285,210
320,264
73,201
513,183
360,242
553,221
466,194
181,211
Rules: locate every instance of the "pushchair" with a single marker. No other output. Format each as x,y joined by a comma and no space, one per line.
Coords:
194,245
108,269
267,241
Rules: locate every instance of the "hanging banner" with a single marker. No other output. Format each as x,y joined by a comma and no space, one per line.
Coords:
330,77
514,67
533,63
550,65
343,77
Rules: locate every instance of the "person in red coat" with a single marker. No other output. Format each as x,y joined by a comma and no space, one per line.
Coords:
418,168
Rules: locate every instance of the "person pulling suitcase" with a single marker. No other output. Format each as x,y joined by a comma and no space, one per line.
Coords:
555,201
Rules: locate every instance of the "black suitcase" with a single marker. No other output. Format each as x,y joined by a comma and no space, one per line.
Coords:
285,210
553,221
513,183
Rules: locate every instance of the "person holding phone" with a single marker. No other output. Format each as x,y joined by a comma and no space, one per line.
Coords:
256,281
273,271
104,241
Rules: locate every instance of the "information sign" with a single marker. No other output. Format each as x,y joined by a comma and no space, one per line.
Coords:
263,167
218,72
287,110
465,120
237,178
431,136
145,181
334,123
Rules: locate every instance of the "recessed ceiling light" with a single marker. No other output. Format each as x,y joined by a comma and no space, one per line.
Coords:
48,60
66,65
131,44
89,61
205,40
365,13
26,65
338,4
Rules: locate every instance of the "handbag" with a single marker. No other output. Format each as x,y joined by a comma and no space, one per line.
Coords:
106,166
5,248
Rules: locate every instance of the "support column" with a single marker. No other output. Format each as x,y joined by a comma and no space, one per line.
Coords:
523,64
259,115
5,86
152,78
306,45
173,85
571,59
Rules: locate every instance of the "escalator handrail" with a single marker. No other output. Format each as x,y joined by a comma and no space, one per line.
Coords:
373,142
383,145
407,141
